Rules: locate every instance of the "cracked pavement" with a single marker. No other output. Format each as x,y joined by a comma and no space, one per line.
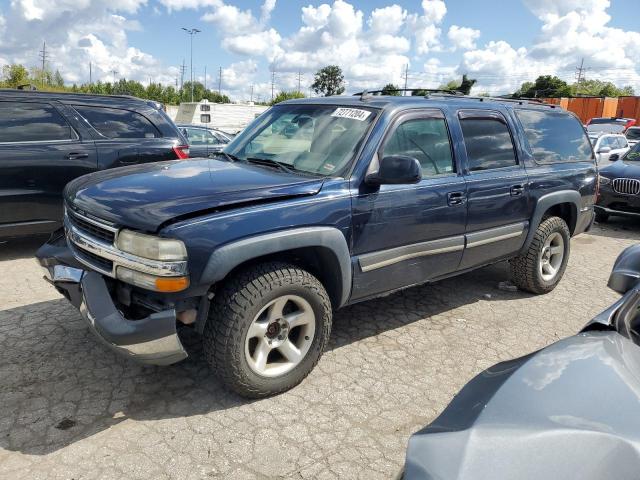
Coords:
72,409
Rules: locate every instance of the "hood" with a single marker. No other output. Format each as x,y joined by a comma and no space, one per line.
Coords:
571,407
622,168
146,196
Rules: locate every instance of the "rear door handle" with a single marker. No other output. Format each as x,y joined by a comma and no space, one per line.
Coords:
516,190
455,198
77,156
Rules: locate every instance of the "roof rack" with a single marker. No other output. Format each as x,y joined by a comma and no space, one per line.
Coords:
509,99
370,93
43,92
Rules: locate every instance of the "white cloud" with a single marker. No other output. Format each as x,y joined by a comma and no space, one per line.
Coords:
425,27
463,38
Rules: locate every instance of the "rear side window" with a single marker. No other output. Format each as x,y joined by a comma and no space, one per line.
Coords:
555,137
205,118
32,122
487,141
200,136
118,123
425,139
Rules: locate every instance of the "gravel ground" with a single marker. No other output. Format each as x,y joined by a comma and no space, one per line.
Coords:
71,409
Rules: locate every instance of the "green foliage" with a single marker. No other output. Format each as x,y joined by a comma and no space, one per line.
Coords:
390,89
15,75
282,96
419,93
329,81
598,88
450,85
466,84
544,86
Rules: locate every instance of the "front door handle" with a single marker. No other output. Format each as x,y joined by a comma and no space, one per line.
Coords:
77,156
516,190
455,198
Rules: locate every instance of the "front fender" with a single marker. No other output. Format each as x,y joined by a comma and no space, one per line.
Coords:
229,256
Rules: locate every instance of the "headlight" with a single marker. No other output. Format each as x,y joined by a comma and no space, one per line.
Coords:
152,282
603,180
150,246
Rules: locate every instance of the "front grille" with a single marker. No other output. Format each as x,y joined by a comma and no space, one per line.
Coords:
91,228
92,259
627,186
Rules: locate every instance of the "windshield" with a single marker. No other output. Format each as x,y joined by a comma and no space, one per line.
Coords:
313,139
633,134
633,155
606,127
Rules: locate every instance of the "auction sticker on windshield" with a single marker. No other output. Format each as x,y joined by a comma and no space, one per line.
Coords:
353,113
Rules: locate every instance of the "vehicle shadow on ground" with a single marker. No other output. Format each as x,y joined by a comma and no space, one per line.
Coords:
22,248
58,385
617,227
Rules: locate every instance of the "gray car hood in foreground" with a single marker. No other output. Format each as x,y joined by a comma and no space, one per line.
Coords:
571,410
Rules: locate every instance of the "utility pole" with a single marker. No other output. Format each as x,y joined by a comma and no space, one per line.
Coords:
115,72
191,32
90,79
220,81
273,82
406,77
205,77
580,71
183,68
251,97
299,81
43,56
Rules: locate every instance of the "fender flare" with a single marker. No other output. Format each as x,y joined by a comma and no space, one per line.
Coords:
229,256
547,201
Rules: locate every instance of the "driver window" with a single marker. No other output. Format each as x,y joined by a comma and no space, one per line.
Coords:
425,139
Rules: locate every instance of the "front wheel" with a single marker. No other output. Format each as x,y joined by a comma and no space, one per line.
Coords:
542,266
267,329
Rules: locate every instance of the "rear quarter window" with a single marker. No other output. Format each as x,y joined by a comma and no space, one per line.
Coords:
118,123
555,137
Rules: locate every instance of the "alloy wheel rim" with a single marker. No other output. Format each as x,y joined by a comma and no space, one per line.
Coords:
551,256
280,336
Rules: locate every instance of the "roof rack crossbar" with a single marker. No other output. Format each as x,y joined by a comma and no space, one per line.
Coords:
366,93
520,101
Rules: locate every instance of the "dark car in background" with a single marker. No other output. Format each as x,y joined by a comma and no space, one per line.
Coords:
204,141
620,187
48,139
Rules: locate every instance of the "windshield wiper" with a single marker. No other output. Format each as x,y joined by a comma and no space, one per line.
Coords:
228,156
271,163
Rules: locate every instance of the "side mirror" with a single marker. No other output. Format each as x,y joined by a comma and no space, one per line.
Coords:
604,150
395,170
626,270
613,157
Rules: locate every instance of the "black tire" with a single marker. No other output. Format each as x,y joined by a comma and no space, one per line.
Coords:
232,312
601,217
525,269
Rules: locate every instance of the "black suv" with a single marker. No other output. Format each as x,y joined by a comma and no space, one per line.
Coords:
318,204
48,139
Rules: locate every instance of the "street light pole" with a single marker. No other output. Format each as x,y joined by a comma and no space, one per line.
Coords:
191,32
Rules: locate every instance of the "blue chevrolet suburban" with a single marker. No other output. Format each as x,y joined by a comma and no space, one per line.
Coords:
318,204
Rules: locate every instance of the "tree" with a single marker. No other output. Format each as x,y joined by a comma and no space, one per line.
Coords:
58,81
450,85
329,81
545,86
282,96
391,89
15,75
598,88
466,85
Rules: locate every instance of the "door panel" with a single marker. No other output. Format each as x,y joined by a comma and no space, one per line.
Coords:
34,173
497,189
407,234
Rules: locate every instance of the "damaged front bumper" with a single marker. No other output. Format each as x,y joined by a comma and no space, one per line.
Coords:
152,340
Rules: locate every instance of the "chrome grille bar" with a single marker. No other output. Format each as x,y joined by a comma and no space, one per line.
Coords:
626,186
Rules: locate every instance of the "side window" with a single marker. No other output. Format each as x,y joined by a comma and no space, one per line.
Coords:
205,118
196,136
32,122
487,141
556,137
205,108
425,139
118,123
622,142
606,142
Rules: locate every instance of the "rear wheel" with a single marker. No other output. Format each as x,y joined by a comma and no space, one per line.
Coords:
267,329
542,266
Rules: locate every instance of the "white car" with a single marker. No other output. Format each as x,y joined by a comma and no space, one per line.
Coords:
633,135
609,147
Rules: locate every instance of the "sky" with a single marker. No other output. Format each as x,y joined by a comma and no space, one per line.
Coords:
500,43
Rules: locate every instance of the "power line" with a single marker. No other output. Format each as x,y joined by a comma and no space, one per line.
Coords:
273,81
299,80
406,78
183,68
